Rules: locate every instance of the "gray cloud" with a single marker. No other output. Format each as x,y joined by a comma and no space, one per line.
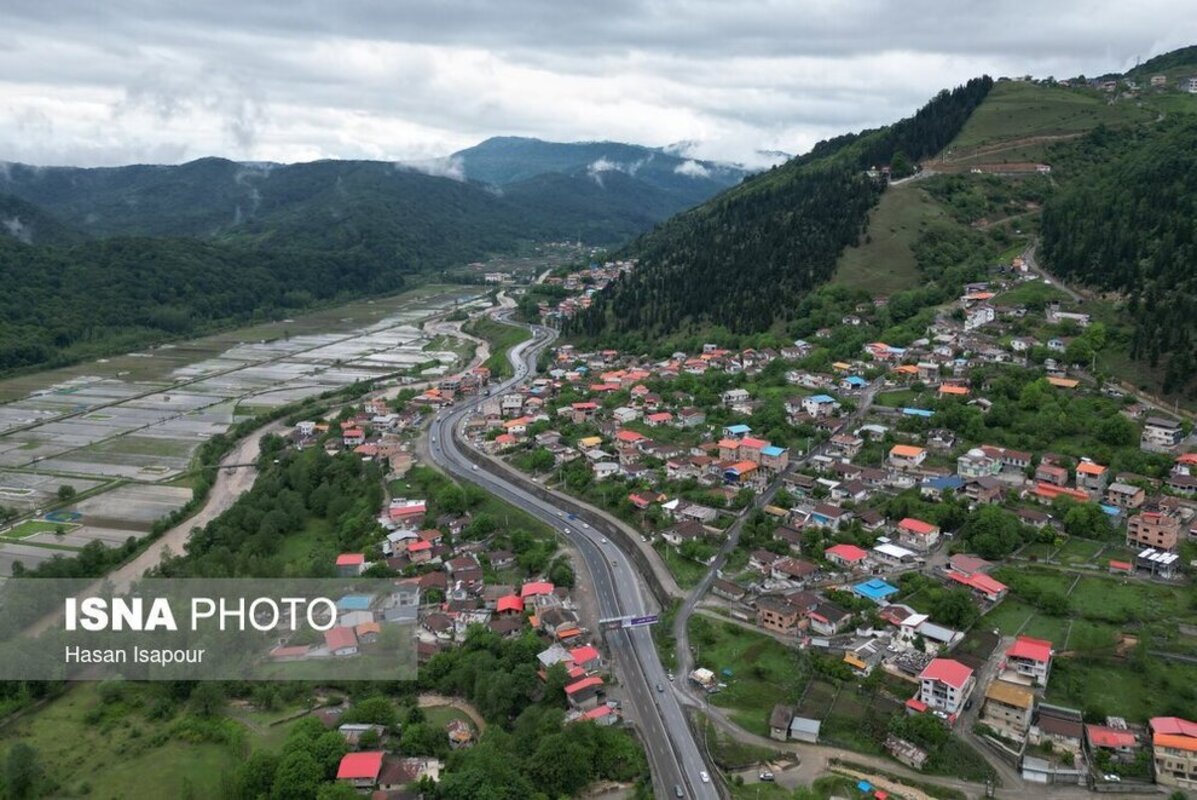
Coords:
131,80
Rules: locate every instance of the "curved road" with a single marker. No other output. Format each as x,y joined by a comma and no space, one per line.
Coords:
673,752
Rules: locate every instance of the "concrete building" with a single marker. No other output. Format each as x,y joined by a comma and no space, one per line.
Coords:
1008,708
945,685
1158,528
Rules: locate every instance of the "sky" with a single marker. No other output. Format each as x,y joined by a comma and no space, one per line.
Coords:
154,81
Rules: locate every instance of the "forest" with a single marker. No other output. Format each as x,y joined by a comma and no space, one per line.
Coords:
744,260
1123,224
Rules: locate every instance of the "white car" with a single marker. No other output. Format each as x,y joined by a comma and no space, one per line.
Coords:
475,467
705,777
587,525
604,540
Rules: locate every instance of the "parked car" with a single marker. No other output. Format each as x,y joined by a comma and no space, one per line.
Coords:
766,776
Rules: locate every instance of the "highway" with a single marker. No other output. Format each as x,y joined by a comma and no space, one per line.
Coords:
673,753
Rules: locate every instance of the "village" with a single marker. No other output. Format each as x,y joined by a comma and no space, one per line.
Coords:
869,508
882,489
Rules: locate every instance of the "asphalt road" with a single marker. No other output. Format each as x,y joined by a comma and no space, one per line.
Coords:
673,753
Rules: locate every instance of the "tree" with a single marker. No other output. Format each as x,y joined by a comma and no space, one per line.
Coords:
208,699
955,609
298,777
65,492
22,771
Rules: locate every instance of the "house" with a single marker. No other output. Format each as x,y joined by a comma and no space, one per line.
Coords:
727,590
691,417
876,590
829,516
1031,658
341,641
906,456
846,555
828,619
819,405
1174,751
762,560
1062,727
1113,739
1011,460
988,588
658,419
976,463
966,565
774,458
350,565
978,315
915,533
779,722
1090,477
891,555
984,490
1008,708
1161,435
584,693
1125,496
734,396
793,569
361,770
935,488
689,530
777,615
1054,474
1158,528
945,684
587,657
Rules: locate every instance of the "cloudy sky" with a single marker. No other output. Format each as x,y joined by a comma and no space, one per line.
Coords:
91,83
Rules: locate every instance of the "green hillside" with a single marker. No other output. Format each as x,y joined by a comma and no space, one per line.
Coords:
743,260
884,260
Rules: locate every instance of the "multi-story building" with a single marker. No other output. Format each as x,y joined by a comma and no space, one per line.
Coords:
1174,751
777,615
1031,658
1160,434
1008,707
1157,527
945,685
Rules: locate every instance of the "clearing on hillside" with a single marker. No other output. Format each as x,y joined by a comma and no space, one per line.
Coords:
1016,111
883,262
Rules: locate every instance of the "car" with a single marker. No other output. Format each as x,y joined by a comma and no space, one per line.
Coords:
560,514
613,563
475,467
677,790
968,704
704,776
572,516
766,776
669,675
660,688
585,525
604,540
1112,778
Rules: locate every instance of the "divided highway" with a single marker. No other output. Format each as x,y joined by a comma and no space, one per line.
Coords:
673,753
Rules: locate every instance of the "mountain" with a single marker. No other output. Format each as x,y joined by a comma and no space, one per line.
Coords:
744,259
29,224
1122,223
508,159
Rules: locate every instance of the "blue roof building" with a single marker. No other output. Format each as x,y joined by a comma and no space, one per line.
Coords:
918,412
876,590
355,602
821,398
855,381
773,451
737,430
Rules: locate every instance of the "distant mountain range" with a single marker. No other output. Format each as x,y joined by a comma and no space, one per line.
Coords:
105,259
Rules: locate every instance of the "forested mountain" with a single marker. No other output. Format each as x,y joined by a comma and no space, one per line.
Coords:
1123,222
27,223
97,260
509,159
61,304
745,258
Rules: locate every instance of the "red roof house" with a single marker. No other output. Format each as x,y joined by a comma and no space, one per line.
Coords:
360,769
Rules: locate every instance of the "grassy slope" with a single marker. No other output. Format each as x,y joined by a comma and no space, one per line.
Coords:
883,262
